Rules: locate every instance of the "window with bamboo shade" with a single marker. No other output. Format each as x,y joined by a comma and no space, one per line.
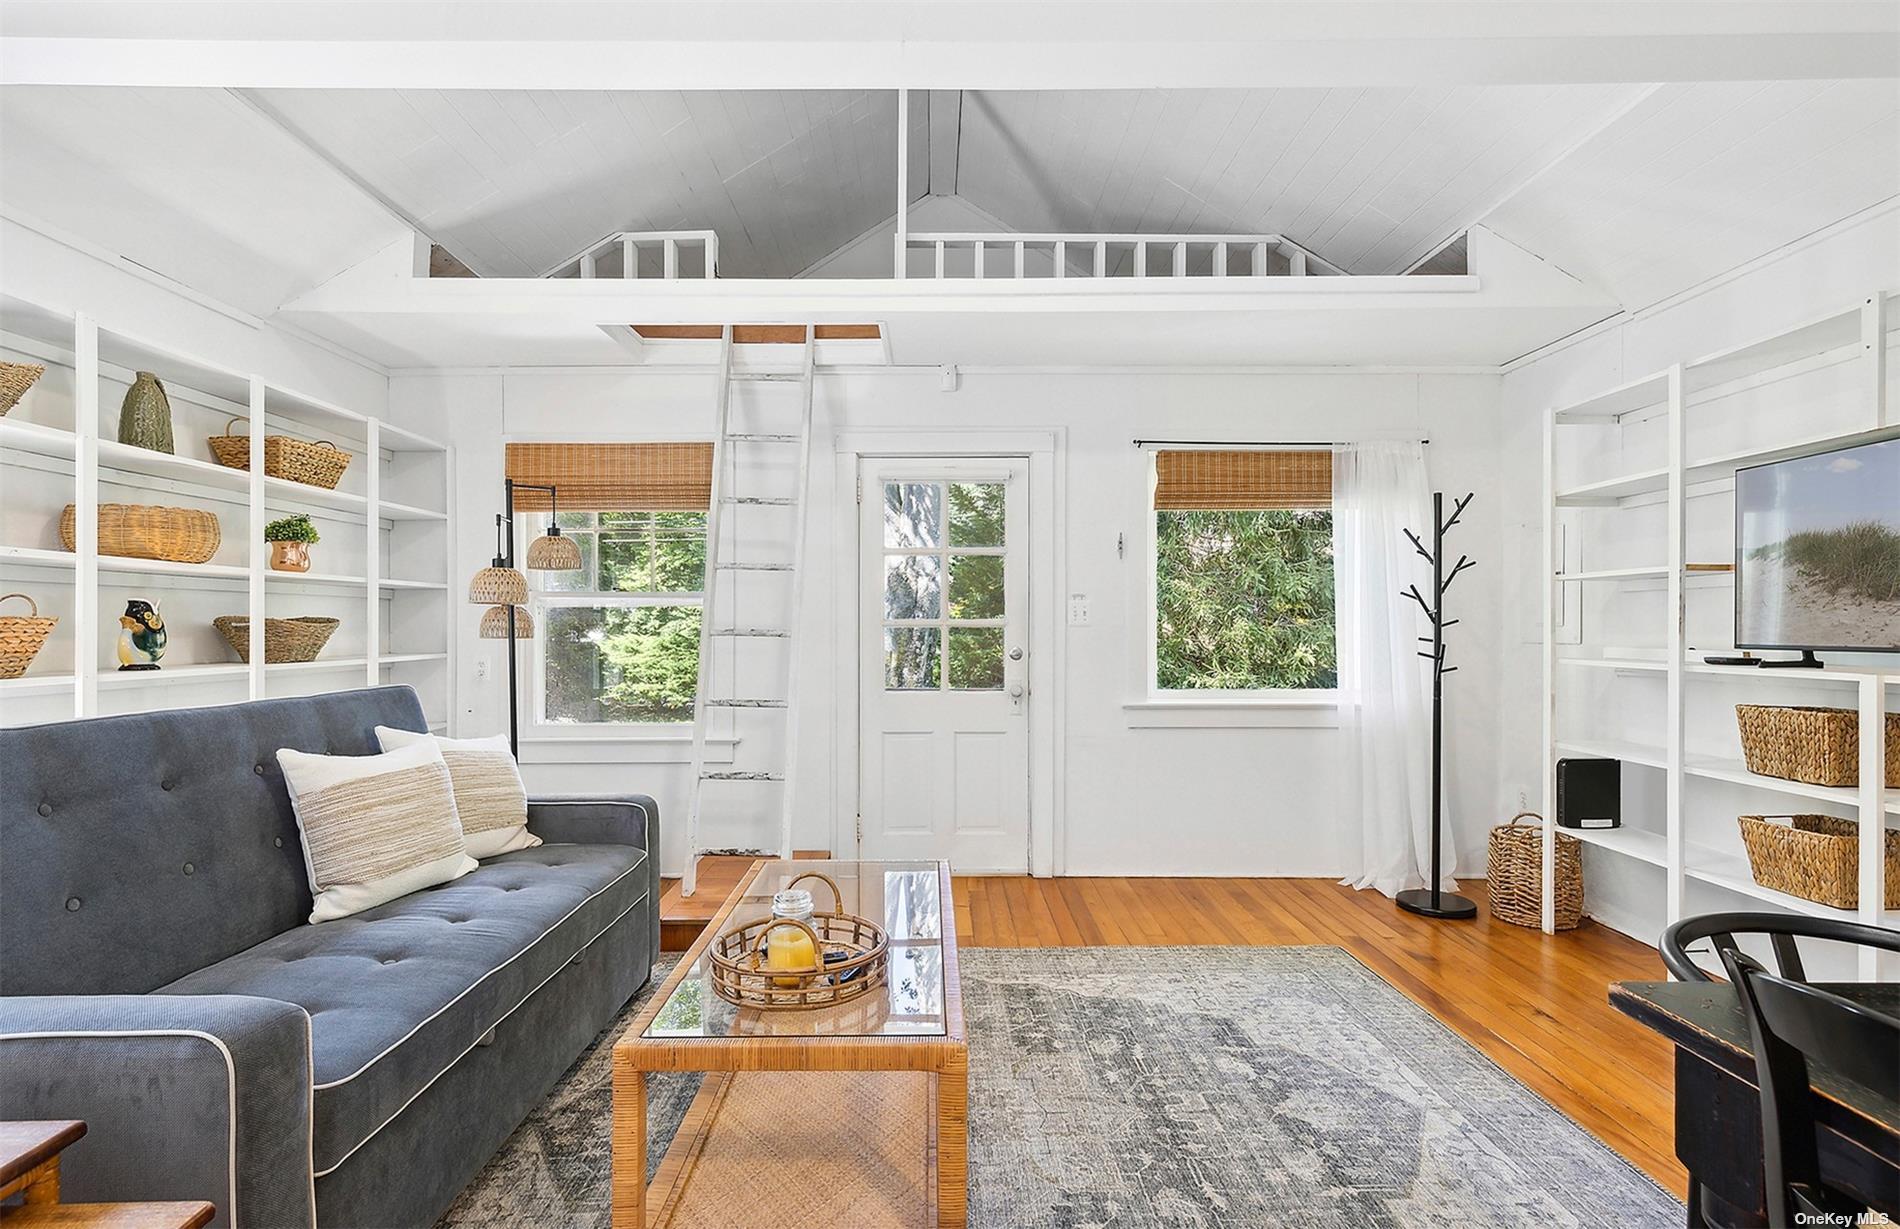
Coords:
1243,570
618,637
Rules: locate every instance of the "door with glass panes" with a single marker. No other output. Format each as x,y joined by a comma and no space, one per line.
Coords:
943,670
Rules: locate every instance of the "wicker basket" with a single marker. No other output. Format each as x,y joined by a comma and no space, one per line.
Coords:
1815,857
319,464
22,636
1516,874
148,531
285,640
741,977
15,379
1817,746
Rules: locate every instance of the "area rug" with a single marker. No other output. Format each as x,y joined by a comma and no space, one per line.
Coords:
1123,1088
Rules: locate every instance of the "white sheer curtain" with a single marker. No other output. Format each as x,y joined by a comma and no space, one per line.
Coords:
1379,491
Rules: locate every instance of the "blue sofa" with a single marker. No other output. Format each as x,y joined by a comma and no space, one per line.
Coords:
158,978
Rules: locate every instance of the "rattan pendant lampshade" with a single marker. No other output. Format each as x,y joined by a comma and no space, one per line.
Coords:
554,552
495,623
498,584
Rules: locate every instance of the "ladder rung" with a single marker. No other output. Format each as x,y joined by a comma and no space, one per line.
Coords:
769,377
758,437
742,776
776,632
768,501
755,567
736,702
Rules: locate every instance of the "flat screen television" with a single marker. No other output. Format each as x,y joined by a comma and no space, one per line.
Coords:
1817,550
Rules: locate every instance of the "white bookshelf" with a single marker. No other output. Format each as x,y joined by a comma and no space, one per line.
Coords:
383,567
1638,485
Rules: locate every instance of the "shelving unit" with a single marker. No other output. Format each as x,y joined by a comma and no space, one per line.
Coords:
1684,778
56,448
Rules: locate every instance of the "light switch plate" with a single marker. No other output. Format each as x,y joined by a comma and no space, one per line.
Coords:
1078,610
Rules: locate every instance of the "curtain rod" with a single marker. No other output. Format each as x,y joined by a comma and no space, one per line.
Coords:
1269,443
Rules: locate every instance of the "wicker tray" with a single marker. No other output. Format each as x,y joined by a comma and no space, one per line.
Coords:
149,531
22,637
741,977
1515,871
1815,857
313,464
15,379
1816,746
285,640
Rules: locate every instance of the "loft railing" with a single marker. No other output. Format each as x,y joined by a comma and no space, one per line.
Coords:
650,253
1009,254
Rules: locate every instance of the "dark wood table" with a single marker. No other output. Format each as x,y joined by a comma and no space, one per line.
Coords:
1718,1107
29,1174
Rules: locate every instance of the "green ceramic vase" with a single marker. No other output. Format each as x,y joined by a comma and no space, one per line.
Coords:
145,416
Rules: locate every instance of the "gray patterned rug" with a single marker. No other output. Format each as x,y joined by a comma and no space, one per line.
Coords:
1124,1088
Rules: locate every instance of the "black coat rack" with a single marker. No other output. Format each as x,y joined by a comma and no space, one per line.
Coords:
1432,901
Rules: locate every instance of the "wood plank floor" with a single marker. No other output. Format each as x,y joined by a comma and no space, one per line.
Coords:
1536,1004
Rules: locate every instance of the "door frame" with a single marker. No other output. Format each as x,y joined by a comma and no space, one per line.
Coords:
1047,716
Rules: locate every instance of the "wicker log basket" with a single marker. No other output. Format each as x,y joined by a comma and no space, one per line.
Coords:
1815,857
313,464
15,379
741,977
22,637
149,531
1515,871
1816,746
285,640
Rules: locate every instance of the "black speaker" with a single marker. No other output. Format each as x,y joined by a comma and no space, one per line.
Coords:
1589,793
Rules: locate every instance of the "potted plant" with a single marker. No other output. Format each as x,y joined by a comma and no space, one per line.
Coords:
290,541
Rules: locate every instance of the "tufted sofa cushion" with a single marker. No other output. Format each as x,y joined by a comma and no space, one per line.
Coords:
398,993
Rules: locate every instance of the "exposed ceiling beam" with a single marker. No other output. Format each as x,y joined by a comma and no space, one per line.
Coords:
940,44
946,134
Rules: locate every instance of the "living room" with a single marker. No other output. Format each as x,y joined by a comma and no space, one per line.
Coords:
729,614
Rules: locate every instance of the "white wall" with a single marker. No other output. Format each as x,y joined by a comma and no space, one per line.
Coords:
1235,801
1830,272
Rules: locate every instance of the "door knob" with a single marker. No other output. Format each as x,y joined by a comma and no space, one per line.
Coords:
1016,691
1016,654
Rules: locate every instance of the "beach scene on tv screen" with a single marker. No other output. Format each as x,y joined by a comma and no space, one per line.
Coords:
1820,550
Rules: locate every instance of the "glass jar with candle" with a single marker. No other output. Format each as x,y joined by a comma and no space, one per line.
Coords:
790,947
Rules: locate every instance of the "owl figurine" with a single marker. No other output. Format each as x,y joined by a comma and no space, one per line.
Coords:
141,636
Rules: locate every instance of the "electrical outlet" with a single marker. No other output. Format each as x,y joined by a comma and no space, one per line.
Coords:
481,669
1078,610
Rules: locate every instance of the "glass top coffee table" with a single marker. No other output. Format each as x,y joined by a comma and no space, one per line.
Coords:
778,1143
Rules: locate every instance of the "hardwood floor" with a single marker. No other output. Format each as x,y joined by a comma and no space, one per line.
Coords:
1536,1004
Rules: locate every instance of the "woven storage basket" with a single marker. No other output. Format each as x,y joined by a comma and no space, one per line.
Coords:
285,640
1816,746
1815,857
148,531
15,379
319,464
1515,870
21,637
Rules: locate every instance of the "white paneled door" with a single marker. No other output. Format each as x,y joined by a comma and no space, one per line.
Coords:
943,666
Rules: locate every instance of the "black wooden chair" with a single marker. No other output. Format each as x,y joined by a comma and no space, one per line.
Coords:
1791,1022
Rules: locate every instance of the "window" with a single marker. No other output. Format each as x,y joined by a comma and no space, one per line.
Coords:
617,639
1243,571
944,588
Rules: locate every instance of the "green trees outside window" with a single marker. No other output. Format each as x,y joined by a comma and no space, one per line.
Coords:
1244,600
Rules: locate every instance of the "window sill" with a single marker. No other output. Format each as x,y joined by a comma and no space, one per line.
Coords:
1311,711
613,747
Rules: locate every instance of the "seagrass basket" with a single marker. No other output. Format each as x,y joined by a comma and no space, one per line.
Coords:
1815,857
1515,871
1816,746
15,379
313,464
852,962
285,640
149,531
22,637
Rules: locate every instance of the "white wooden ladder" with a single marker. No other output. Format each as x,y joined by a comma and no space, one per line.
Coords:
726,497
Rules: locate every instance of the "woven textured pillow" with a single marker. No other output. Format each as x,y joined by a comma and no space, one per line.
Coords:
374,827
489,797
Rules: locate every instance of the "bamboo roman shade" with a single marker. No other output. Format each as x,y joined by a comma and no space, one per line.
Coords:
1241,478
669,477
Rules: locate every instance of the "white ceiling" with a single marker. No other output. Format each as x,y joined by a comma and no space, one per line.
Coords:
1696,179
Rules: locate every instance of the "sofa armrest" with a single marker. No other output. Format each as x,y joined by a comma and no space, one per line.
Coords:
578,819
183,1096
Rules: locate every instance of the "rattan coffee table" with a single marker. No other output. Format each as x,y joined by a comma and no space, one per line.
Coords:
851,1114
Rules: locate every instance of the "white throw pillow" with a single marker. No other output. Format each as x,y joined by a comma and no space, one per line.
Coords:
374,827
490,800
